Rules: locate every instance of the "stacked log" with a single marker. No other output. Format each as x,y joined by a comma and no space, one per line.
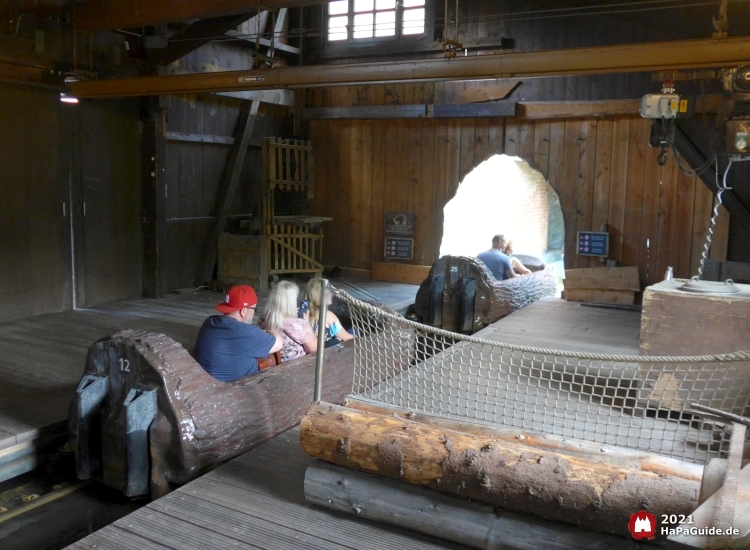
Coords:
598,496
439,515
589,450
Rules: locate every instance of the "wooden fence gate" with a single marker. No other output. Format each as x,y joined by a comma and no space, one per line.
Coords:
295,242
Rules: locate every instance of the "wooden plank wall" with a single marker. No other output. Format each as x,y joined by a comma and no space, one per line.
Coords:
58,158
193,171
602,169
34,237
109,248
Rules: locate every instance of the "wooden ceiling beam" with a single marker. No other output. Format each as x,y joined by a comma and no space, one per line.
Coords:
606,107
194,36
99,15
624,58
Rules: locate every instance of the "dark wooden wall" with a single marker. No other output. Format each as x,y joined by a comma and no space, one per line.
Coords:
34,252
108,236
52,153
602,170
194,169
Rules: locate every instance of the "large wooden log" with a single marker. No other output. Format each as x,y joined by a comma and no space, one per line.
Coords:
620,456
516,477
448,517
441,299
199,420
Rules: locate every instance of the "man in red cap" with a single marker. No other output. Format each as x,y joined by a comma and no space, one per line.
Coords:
229,345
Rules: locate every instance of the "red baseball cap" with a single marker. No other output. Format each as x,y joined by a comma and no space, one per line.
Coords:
238,297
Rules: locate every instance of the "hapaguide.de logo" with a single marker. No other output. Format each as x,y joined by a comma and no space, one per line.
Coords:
642,525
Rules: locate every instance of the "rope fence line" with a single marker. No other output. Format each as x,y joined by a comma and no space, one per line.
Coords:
637,402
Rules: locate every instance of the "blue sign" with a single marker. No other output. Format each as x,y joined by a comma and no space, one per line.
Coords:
591,243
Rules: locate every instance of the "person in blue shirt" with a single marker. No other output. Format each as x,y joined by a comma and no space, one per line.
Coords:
229,345
496,261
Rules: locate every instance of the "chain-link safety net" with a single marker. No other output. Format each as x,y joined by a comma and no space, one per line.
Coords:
637,402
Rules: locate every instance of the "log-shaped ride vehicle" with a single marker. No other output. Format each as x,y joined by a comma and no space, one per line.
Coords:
147,418
460,294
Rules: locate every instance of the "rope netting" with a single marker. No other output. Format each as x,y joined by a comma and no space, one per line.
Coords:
636,402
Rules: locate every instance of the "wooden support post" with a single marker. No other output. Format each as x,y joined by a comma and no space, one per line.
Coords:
227,188
154,198
513,476
470,523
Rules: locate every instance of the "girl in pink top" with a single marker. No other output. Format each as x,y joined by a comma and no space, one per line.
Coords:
280,316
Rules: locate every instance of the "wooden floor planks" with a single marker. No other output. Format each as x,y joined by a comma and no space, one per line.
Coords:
554,323
42,358
254,501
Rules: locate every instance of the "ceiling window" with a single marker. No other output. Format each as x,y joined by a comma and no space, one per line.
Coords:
413,19
368,19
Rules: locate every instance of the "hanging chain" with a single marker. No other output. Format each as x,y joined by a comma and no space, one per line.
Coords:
717,203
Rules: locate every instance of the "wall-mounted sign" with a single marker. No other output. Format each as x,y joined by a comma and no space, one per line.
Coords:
398,248
593,243
399,236
399,224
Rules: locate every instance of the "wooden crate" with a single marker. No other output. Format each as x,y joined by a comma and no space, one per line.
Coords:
243,260
675,322
609,285
626,297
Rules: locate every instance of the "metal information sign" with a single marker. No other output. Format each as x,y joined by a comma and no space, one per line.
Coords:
399,224
399,236
593,243
398,249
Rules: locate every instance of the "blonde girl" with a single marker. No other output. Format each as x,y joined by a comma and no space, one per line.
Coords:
280,317
515,262
335,333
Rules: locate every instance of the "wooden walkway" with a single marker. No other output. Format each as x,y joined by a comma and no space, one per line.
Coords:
254,501
553,323
42,359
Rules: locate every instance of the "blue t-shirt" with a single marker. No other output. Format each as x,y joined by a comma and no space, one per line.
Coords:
228,349
497,262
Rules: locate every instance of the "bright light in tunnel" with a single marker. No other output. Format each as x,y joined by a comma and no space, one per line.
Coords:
494,198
